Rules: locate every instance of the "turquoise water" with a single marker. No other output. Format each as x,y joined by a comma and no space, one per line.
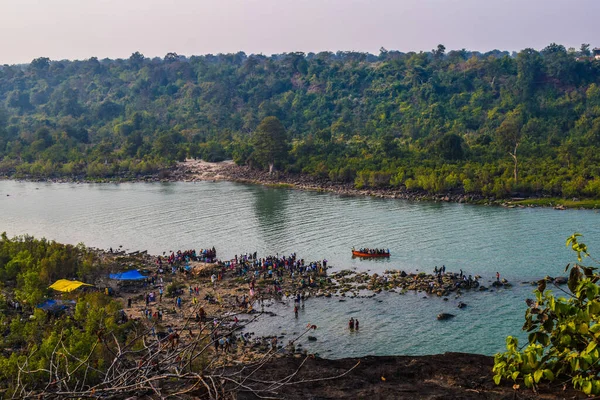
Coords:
521,244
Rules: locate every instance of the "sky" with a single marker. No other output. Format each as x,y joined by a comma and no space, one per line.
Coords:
80,29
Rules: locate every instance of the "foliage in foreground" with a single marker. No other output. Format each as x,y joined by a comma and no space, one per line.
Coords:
563,333
31,336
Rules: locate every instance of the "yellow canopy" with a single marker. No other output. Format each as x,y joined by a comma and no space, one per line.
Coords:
65,285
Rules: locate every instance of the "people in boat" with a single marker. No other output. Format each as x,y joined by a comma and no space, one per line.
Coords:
367,250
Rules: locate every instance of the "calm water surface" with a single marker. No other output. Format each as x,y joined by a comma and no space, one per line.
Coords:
521,244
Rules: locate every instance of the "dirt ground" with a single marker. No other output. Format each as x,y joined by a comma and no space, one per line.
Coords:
443,376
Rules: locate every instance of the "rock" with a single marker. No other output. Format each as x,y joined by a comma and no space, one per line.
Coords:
444,316
561,280
461,305
312,339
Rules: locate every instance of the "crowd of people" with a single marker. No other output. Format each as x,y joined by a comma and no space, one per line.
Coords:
284,275
176,258
460,280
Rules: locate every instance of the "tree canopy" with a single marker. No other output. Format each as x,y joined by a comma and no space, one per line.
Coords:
269,142
491,123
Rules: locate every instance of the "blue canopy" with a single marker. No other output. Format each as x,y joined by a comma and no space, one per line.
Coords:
54,305
128,276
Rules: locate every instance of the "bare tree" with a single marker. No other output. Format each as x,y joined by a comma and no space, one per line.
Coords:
179,364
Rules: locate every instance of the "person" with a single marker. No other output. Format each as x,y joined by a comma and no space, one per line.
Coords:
498,276
129,302
356,324
296,311
351,323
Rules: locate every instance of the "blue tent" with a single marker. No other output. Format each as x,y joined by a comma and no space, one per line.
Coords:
128,276
55,305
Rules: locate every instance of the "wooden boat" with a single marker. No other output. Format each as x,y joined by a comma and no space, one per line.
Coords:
356,253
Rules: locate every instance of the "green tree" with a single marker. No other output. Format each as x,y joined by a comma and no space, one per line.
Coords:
270,143
510,135
40,64
529,67
450,147
439,52
585,50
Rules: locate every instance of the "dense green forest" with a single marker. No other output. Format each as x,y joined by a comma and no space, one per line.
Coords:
499,124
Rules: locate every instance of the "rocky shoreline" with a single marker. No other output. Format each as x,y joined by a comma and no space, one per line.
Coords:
198,170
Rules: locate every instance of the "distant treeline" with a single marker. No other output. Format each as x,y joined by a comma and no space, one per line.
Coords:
493,123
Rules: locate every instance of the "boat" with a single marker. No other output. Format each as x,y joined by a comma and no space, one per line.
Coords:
356,253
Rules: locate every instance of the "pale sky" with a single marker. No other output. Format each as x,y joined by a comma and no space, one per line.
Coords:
80,29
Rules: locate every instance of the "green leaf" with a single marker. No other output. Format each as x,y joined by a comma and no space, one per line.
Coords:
497,379
537,375
548,374
590,347
528,380
586,386
515,375
543,339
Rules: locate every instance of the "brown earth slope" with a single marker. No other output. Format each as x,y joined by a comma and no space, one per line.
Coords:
443,376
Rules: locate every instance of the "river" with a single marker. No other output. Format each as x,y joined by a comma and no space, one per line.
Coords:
522,244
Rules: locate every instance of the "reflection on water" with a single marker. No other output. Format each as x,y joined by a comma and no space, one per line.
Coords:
270,209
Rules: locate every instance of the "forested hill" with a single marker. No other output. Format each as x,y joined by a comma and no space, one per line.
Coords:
492,123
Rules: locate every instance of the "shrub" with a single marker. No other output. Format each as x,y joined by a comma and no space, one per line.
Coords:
563,333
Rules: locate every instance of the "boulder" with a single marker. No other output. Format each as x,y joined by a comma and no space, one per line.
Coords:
561,280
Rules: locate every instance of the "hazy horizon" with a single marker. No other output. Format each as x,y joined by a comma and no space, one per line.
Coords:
75,30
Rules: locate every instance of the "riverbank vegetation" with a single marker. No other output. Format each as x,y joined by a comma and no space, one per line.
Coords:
495,123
